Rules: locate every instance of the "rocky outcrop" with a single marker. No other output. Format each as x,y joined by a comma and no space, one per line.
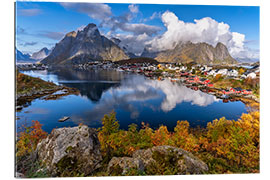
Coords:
84,46
121,165
70,150
158,160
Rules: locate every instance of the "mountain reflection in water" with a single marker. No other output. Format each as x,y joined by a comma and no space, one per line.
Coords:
133,97
137,92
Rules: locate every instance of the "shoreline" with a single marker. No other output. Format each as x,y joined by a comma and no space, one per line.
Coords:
246,99
52,92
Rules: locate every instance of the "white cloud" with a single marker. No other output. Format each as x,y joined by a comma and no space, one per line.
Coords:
94,10
29,12
202,30
133,43
51,35
175,94
140,29
122,22
133,8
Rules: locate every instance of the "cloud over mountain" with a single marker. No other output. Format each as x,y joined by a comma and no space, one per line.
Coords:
202,30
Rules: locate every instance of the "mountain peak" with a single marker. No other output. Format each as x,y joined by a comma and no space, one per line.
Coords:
220,45
84,46
21,57
91,25
41,54
91,30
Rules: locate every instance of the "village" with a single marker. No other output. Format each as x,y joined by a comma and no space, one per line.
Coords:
194,76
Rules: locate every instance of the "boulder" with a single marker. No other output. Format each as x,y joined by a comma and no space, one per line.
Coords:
121,165
158,160
170,160
70,150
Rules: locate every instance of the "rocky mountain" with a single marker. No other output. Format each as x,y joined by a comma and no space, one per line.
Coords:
202,53
247,60
21,57
41,54
84,46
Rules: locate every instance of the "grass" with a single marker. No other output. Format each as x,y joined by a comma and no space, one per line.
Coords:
25,83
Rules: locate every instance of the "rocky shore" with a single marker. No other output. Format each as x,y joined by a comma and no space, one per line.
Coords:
29,88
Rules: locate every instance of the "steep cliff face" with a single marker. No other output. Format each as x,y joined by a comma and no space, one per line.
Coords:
84,46
190,52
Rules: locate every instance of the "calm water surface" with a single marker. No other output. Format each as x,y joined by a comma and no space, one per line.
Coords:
133,97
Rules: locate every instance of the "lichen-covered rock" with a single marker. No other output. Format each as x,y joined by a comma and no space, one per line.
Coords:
121,165
73,150
169,160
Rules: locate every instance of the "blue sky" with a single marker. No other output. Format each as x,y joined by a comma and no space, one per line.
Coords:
42,24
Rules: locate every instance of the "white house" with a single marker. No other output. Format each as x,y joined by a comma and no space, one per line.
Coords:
212,72
205,68
232,72
223,72
183,68
251,75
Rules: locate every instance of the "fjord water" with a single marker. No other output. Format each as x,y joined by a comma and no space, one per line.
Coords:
133,97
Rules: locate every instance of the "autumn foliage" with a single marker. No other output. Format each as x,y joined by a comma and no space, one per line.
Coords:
29,138
225,145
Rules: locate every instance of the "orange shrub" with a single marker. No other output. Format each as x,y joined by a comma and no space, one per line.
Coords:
29,139
161,136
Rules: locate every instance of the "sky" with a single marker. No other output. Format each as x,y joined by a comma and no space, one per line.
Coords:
159,27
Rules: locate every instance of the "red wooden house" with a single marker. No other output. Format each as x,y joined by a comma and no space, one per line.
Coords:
246,91
226,92
237,90
193,79
204,81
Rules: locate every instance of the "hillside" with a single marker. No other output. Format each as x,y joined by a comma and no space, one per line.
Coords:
202,53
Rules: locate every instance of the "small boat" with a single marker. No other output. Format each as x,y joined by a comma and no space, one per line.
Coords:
63,119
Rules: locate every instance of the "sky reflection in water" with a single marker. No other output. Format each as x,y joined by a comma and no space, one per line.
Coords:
134,98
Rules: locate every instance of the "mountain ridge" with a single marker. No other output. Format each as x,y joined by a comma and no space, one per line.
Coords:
88,45
186,52
41,54
21,57
84,46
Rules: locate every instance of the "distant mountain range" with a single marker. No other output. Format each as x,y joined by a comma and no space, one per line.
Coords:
41,54
247,60
35,57
21,57
89,45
